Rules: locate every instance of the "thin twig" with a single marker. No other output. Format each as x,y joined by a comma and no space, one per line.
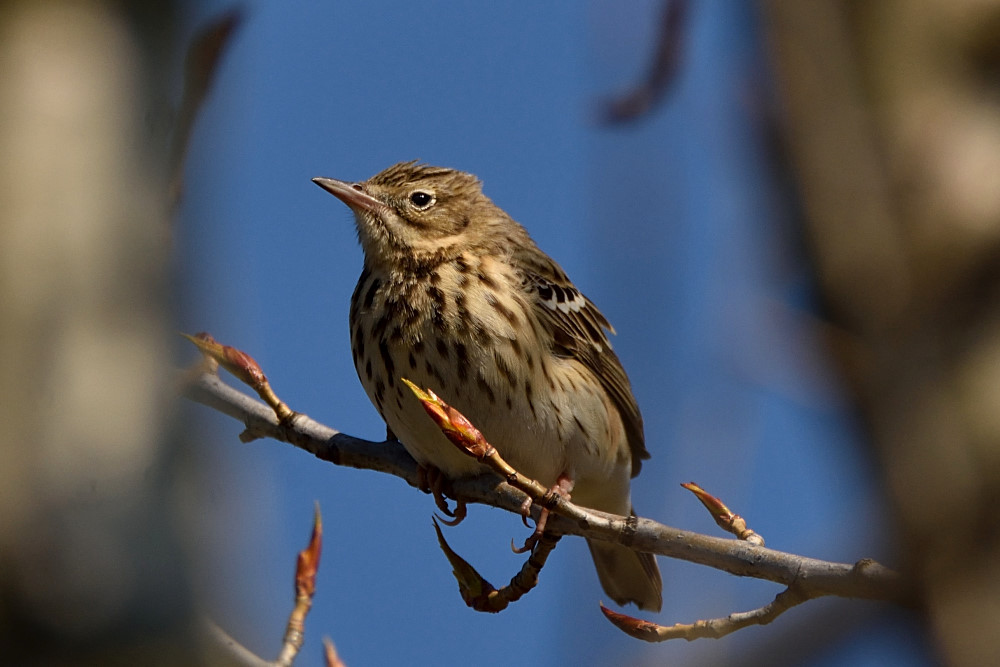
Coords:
305,587
713,628
480,594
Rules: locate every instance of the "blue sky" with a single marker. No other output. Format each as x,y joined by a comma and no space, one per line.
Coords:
674,225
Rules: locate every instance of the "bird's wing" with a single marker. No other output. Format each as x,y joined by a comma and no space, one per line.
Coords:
579,332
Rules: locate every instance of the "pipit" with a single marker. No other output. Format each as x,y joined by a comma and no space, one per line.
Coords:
455,296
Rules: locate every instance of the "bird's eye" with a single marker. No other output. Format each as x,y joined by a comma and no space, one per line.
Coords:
421,199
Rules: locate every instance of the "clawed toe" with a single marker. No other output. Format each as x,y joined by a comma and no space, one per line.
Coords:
431,480
562,487
536,534
526,512
457,515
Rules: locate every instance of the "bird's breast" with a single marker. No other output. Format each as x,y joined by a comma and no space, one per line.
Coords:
466,331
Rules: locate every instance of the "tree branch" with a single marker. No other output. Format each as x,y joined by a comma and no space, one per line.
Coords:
812,578
713,628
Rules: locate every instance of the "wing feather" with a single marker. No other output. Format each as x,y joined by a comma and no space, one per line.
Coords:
579,331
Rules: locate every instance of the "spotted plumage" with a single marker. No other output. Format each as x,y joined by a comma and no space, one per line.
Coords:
455,296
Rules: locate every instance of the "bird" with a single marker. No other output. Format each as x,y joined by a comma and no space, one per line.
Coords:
455,295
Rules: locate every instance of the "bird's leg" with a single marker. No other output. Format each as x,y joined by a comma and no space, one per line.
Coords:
431,480
562,487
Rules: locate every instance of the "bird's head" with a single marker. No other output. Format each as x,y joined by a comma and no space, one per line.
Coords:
417,213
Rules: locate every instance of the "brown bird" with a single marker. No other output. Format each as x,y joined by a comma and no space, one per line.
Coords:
455,296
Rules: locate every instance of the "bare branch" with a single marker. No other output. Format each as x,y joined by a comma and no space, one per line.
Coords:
480,594
865,579
713,628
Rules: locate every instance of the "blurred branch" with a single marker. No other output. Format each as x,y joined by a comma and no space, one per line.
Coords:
891,119
224,650
201,65
305,587
330,654
227,651
662,70
865,579
95,473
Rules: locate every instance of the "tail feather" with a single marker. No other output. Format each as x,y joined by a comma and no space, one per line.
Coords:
627,575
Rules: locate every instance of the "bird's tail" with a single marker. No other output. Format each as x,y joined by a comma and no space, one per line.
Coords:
627,575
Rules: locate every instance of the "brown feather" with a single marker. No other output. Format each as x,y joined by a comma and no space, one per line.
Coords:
580,334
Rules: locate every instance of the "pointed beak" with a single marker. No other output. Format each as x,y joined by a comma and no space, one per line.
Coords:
352,194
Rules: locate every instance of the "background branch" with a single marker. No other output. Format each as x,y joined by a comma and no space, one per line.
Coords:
95,569
891,123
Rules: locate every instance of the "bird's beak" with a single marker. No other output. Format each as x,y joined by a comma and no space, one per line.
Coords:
352,194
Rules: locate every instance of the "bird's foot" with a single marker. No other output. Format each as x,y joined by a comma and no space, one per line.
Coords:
562,487
431,480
